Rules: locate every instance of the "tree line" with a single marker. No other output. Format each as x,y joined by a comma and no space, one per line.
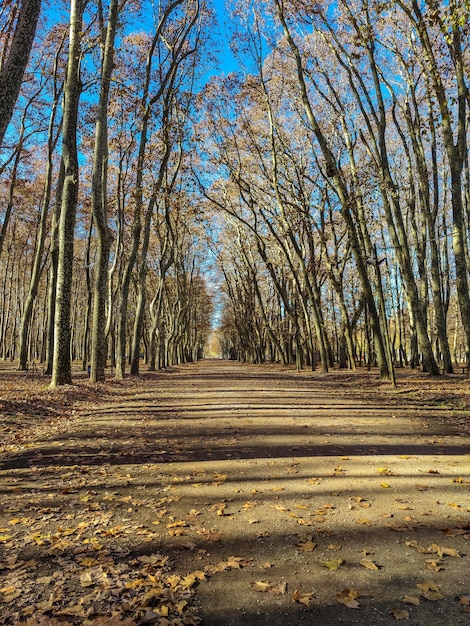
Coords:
325,182
101,250
345,185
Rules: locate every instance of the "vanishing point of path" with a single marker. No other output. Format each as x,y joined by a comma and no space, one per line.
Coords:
299,498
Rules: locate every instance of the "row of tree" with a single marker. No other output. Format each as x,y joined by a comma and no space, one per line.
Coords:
345,184
328,181
100,247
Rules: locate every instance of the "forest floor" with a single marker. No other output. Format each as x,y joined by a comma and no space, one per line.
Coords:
226,494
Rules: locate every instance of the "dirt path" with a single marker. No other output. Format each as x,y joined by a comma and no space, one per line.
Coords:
241,495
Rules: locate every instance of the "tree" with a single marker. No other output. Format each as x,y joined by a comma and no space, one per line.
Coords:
62,367
100,198
15,56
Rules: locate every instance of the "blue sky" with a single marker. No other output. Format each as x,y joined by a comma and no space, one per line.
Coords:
227,61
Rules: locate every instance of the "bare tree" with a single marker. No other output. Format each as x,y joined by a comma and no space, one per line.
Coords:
15,59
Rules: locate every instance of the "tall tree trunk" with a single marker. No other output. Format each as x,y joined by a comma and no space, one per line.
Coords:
89,299
62,367
52,283
99,204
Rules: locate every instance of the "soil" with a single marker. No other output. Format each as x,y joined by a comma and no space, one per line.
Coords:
225,494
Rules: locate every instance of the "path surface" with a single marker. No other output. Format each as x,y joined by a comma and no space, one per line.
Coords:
299,498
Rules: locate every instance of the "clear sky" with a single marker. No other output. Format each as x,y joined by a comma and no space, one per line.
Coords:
227,62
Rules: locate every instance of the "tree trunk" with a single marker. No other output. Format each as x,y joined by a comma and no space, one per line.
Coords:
62,367
99,204
11,76
52,286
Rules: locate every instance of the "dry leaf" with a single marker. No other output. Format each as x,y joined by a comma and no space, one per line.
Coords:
416,546
434,565
306,545
279,589
210,535
348,598
430,591
411,600
178,524
399,614
369,564
303,598
76,610
442,551
263,587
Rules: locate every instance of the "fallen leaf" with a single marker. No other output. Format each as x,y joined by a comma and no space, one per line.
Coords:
264,587
306,545
279,589
76,611
443,551
348,598
178,524
430,591
434,565
399,614
369,564
210,535
421,549
411,600
235,562
303,598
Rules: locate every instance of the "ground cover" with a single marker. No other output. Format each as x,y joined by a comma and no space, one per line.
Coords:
221,494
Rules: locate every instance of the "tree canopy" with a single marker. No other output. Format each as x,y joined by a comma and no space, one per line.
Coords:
308,205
